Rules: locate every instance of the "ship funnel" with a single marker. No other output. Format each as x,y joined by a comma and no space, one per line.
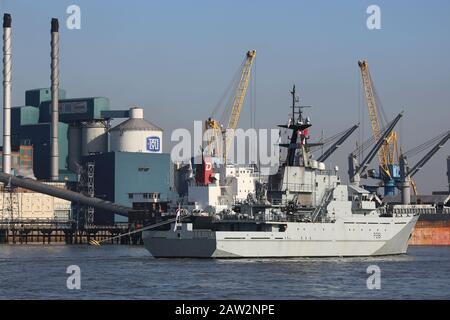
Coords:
7,93
54,156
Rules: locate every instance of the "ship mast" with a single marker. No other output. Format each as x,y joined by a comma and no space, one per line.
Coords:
298,125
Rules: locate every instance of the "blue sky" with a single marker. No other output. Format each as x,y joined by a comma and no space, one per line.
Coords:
175,58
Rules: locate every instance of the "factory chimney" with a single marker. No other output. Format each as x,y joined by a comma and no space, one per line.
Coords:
7,93
54,156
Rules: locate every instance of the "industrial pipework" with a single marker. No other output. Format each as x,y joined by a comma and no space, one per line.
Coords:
69,195
7,93
54,165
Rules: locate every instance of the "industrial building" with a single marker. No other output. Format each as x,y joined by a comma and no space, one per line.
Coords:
22,204
135,165
80,121
130,178
80,163
124,160
21,161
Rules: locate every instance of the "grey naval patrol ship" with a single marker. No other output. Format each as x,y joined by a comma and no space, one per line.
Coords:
302,211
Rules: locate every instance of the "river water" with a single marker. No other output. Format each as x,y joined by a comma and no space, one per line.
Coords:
129,272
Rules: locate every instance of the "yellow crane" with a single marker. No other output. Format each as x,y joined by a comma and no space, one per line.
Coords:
238,101
388,153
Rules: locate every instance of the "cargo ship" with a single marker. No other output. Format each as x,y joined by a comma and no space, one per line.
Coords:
432,230
433,227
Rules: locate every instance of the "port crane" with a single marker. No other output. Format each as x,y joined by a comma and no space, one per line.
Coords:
215,127
356,170
337,144
419,165
407,173
388,155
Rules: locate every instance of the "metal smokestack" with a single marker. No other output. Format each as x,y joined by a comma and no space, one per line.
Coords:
54,155
7,93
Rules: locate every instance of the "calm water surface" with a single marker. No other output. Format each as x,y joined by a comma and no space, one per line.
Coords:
129,272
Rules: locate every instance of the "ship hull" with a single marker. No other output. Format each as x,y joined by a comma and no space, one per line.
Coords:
344,238
432,230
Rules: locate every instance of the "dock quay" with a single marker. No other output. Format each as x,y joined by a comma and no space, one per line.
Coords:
56,232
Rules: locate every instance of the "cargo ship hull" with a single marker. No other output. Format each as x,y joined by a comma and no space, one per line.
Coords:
432,230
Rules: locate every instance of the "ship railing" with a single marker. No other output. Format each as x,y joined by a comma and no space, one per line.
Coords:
299,187
327,172
276,202
271,217
259,217
414,210
295,187
35,223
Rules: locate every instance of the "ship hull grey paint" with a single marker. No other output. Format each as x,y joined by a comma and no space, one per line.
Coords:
355,236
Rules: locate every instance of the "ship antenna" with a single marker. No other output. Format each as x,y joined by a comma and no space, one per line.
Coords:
295,100
293,104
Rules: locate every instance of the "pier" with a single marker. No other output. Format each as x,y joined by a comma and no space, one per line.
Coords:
56,232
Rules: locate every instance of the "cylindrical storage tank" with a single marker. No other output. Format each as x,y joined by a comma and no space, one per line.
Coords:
93,138
74,147
136,113
136,135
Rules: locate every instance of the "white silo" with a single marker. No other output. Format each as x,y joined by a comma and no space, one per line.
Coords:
93,138
136,134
